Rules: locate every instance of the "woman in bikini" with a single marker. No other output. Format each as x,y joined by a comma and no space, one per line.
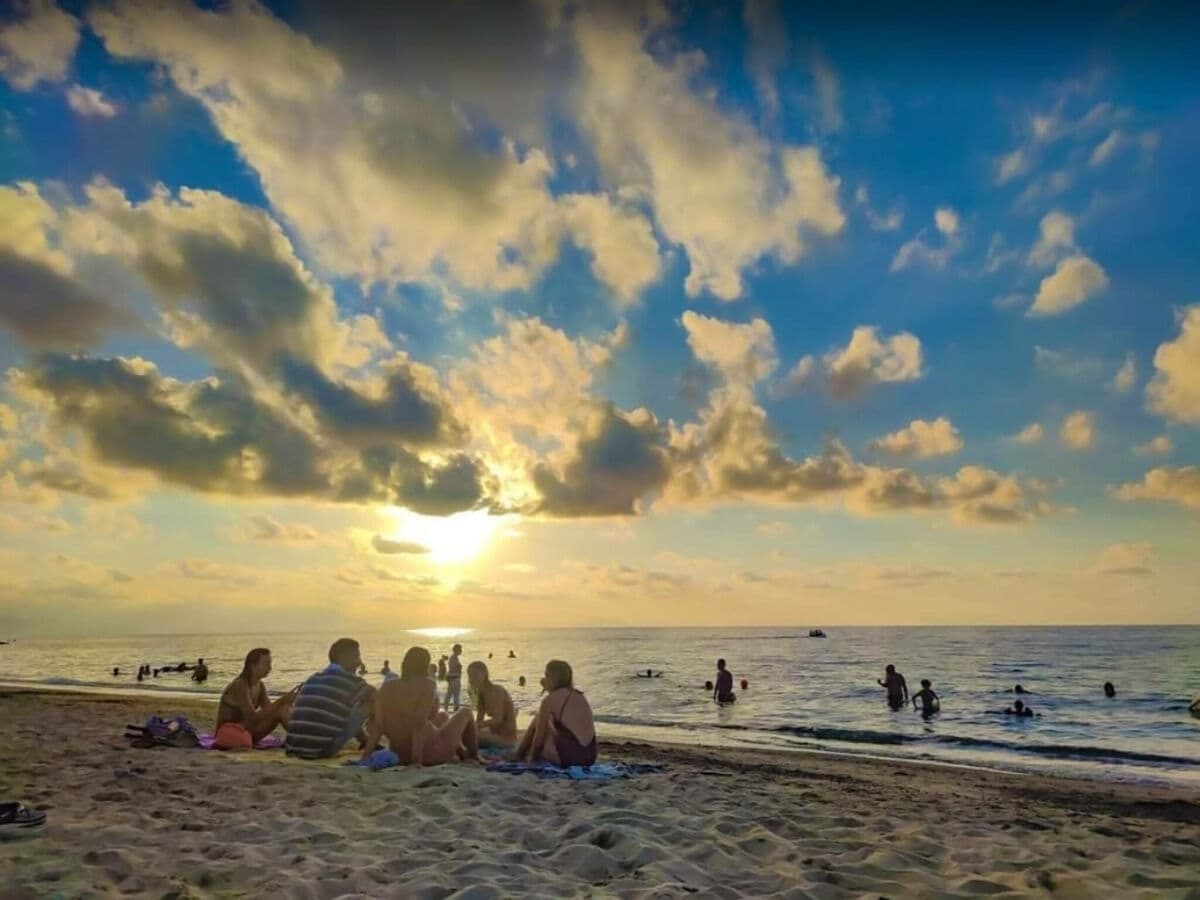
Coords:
563,732
407,713
246,707
496,717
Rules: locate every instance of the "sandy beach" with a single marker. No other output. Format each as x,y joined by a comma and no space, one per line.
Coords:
192,823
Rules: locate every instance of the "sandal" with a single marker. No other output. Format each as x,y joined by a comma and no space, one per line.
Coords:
15,815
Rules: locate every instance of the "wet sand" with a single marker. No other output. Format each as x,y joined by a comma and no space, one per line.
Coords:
717,823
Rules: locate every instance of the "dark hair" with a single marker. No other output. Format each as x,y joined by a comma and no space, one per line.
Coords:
890,668
559,675
457,648
416,663
341,647
252,659
1018,705
720,663
925,682
478,666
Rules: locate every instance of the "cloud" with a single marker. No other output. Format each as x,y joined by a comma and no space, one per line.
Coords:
744,354
262,527
408,191
917,252
767,52
1174,391
1073,281
773,529
797,376
921,440
393,548
1030,434
89,102
869,360
828,91
619,459
1171,484
1056,237
41,301
1078,430
38,44
1126,376
1117,140
717,187
889,221
1157,446
1067,364
1131,558
621,241
900,576
1106,148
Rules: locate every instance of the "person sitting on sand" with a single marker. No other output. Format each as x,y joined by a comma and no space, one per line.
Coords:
331,705
406,713
930,702
895,685
496,717
563,732
200,673
723,692
1018,709
245,714
1109,690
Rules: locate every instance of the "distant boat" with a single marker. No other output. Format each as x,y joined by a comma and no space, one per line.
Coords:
816,632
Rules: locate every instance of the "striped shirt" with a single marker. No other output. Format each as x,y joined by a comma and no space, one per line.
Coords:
328,708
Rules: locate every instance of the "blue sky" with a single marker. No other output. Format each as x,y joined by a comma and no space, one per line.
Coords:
648,314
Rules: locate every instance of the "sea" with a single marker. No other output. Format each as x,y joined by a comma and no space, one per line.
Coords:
802,694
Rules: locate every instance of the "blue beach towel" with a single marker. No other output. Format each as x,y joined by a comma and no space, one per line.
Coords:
380,759
605,771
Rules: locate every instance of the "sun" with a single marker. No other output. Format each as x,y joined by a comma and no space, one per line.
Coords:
451,540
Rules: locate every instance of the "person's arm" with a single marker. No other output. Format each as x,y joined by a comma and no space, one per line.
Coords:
904,687
879,681
1195,705
540,730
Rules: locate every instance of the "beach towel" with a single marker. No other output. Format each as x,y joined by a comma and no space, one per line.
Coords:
380,759
605,771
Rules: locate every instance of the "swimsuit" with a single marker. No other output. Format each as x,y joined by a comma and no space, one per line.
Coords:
571,752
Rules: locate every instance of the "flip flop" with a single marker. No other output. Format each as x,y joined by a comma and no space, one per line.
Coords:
15,815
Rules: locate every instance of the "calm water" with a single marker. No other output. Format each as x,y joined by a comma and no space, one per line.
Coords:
804,693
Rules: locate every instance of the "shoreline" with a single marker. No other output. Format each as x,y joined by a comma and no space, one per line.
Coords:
716,821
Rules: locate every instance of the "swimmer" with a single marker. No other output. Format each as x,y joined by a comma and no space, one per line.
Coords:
521,681
1109,690
708,685
1194,709
116,671
930,702
1018,709
895,685
512,655
1017,689
723,692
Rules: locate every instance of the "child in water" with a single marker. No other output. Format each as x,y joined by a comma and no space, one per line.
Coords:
930,702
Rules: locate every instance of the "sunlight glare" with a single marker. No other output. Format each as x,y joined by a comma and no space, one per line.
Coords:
452,540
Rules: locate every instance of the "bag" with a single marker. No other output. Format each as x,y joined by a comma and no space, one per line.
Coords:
176,731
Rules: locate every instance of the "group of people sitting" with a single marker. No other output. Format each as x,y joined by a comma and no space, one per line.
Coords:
336,706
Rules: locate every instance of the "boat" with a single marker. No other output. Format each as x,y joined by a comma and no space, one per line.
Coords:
816,632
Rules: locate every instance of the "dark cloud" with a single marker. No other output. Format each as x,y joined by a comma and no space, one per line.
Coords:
616,464
48,310
68,479
390,547
400,477
404,412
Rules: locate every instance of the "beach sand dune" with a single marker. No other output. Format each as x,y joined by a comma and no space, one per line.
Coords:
184,823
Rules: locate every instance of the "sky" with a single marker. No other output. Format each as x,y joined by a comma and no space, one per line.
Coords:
324,316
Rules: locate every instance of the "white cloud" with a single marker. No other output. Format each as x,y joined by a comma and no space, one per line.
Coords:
1130,558
1030,434
921,440
89,102
798,375
1078,430
743,354
718,188
828,91
1157,446
1056,237
38,45
406,191
1107,148
1012,165
1174,391
892,220
868,360
1073,281
1168,484
768,50
1067,363
918,252
1126,376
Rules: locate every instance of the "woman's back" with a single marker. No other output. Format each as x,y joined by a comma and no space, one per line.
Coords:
570,708
405,705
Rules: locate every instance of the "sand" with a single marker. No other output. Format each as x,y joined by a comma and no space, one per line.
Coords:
192,823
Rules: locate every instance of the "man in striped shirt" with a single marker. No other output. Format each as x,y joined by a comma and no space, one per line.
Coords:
331,707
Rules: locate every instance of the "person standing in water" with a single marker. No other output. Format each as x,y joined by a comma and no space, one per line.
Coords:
200,673
895,685
930,702
454,679
723,692
1109,690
